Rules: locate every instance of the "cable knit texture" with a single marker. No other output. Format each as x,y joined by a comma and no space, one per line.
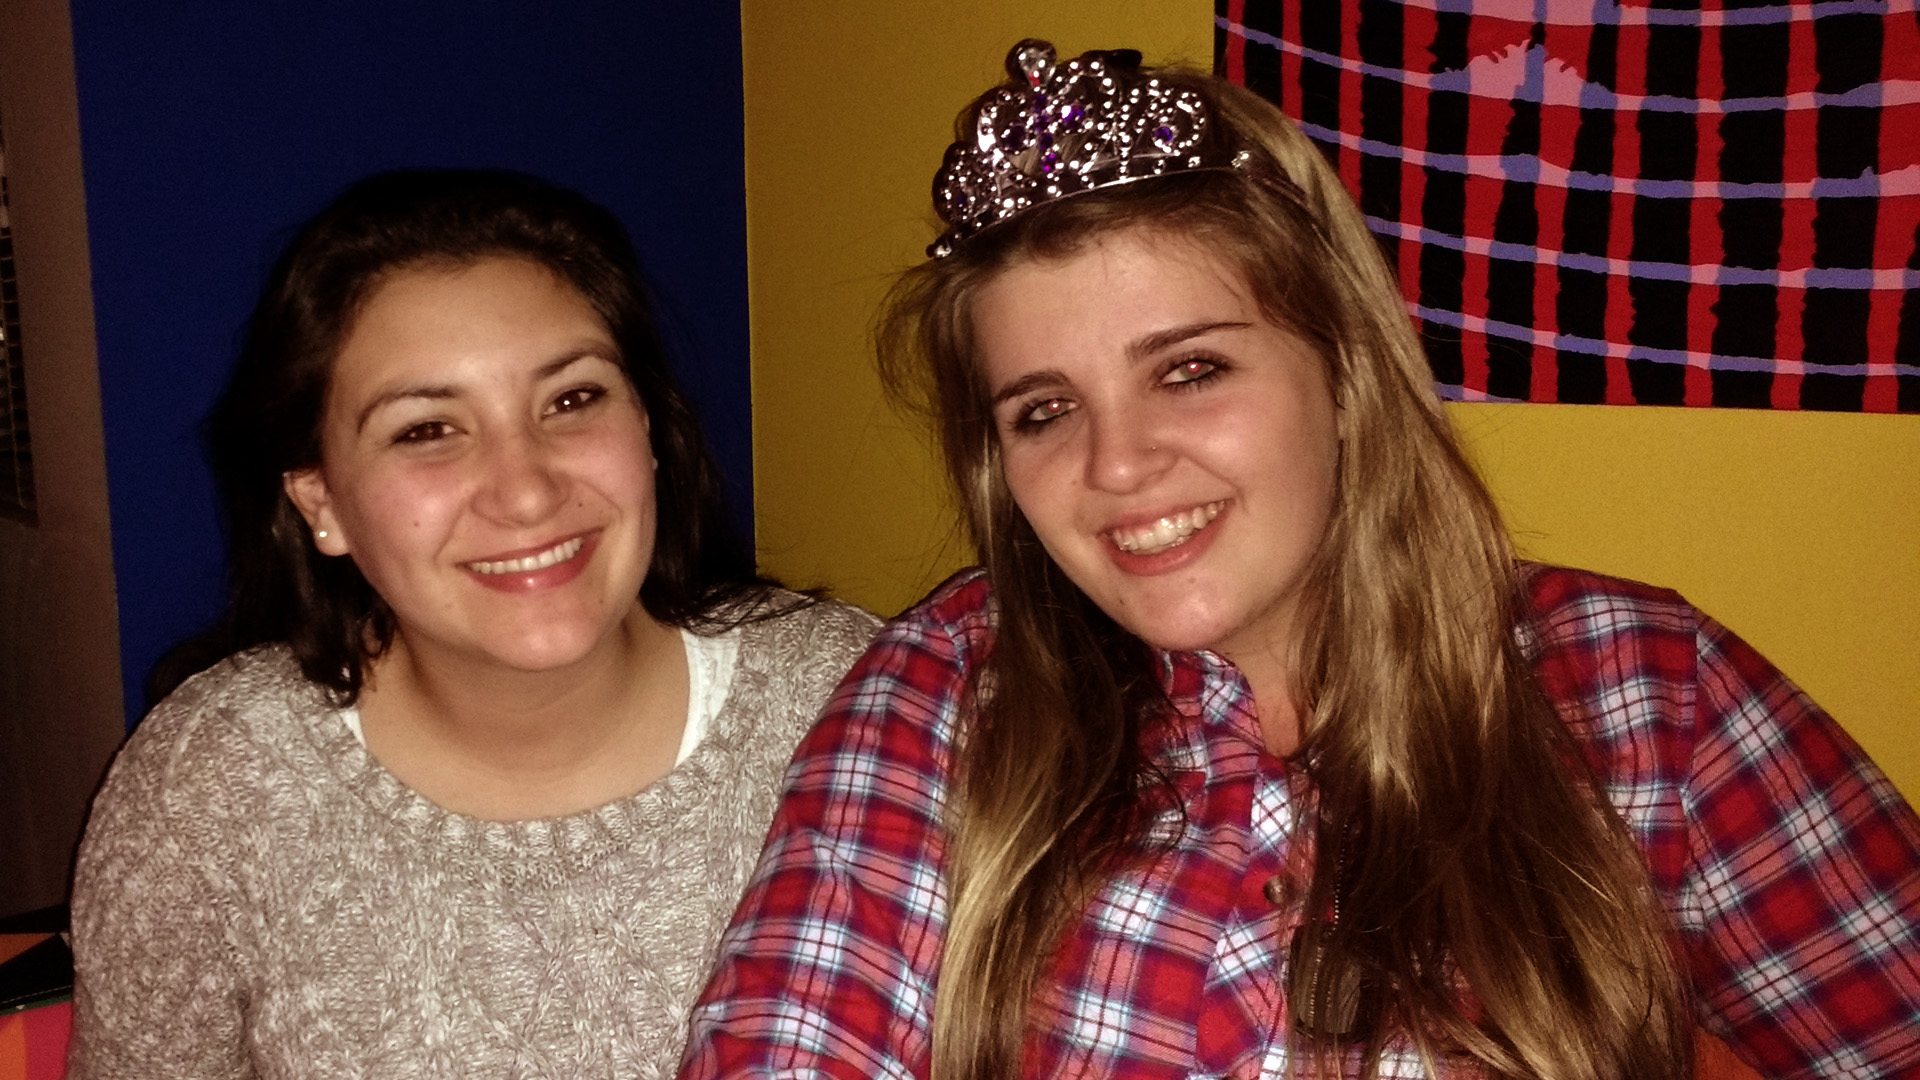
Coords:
257,897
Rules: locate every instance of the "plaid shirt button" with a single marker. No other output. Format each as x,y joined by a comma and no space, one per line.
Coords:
1279,890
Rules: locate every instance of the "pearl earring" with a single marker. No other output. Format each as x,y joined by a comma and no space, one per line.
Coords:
321,535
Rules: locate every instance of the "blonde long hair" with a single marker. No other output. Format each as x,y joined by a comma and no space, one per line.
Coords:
1456,826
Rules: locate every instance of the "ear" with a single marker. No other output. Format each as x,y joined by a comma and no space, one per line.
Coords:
311,496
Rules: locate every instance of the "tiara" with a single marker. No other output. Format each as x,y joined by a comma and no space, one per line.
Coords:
1062,129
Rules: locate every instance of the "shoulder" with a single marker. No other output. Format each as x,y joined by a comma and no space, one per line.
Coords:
264,677
799,654
205,763
213,734
1561,607
1620,661
873,773
903,698
956,620
920,662
952,622
1658,692
197,785
1589,635
823,628
792,652
1595,628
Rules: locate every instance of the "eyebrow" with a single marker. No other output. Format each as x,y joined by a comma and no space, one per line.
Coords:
444,391
1163,339
1138,350
1025,384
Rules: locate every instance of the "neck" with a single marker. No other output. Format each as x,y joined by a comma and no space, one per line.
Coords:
502,743
1270,676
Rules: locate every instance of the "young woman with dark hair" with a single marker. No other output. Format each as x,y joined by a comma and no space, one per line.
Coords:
1251,750
490,731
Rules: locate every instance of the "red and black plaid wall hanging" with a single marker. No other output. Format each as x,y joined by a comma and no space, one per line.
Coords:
1625,203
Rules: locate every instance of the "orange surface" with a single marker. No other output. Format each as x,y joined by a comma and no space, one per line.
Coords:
12,945
1713,1061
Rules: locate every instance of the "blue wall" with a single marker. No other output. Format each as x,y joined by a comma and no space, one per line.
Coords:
210,130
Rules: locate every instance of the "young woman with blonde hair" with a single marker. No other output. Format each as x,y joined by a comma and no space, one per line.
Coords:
1252,750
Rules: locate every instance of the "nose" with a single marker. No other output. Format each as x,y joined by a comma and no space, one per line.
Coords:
520,484
1125,451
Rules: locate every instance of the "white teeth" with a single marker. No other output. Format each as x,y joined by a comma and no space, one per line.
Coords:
1168,532
558,553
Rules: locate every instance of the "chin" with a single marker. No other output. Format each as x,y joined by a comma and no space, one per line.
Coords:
1176,634
547,651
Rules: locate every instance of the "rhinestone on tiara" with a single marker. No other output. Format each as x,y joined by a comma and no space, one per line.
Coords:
1062,129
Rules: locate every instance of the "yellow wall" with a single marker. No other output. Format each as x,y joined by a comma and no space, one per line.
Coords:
849,108
1800,531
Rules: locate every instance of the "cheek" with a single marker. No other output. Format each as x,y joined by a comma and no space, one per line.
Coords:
403,512
1292,426
1040,489
643,496
1307,471
617,466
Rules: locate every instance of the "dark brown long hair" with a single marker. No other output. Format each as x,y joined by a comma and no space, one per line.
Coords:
1456,828
267,421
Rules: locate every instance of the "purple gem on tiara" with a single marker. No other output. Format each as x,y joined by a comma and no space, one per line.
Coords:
1163,137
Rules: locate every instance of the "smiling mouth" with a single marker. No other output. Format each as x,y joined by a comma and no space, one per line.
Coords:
1167,533
553,556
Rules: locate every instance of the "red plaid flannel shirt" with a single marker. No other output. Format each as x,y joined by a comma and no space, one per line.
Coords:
1788,862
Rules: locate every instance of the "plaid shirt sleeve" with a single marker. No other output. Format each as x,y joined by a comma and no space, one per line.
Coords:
829,966
1805,874
1788,860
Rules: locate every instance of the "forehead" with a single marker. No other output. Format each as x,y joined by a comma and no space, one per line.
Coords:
431,312
412,290
1106,294
1147,252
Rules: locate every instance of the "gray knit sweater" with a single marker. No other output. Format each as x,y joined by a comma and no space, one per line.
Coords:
257,897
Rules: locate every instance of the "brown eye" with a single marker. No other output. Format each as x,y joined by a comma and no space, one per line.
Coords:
1050,409
577,398
1188,371
427,432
